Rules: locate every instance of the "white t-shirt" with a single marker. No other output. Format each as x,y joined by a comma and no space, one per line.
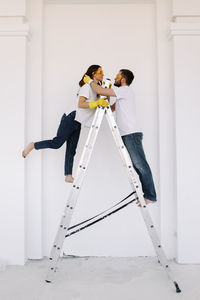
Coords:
126,110
85,115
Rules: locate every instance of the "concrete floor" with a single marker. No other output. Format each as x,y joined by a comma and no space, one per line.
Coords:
92,278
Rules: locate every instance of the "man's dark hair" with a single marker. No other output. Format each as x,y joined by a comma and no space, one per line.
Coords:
128,75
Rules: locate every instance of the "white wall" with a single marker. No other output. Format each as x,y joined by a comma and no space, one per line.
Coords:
186,47
13,35
68,51
35,207
187,93
12,215
33,166
166,129
186,8
12,8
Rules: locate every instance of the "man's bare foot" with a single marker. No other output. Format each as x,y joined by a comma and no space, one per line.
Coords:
28,149
147,202
69,178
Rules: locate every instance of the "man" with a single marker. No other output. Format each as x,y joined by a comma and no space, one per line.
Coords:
128,127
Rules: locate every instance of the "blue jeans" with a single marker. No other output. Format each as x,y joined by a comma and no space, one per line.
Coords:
133,143
68,131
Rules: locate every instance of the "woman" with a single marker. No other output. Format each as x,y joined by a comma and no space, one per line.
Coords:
87,98
70,125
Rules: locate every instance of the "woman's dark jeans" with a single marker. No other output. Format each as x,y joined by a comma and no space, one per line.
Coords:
69,132
133,143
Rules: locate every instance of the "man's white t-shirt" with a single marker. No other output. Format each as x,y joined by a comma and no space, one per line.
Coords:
125,109
85,115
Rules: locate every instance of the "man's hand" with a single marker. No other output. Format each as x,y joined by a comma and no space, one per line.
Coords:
87,79
101,102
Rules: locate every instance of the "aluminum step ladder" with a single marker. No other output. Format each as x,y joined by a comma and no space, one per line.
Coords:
76,187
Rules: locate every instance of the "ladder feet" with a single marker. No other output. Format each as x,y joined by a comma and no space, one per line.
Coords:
177,287
48,281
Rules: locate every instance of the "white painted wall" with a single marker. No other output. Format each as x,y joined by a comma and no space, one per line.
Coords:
33,166
68,51
187,107
12,120
38,210
185,31
186,7
167,182
12,8
12,213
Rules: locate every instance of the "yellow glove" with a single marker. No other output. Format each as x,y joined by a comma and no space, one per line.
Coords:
101,102
93,104
87,79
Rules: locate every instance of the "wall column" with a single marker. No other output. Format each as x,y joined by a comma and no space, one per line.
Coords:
33,166
13,49
185,30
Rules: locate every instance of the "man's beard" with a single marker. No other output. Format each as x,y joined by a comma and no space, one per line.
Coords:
118,84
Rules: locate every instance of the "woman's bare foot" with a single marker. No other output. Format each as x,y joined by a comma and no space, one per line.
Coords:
28,149
69,178
147,202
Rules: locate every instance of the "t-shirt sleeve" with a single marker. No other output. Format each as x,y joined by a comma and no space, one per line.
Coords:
84,91
118,92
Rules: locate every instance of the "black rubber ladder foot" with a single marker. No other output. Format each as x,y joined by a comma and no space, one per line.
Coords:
48,281
177,287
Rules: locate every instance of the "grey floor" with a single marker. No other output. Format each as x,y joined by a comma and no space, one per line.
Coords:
91,278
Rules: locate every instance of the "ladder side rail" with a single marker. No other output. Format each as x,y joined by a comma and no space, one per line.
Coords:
156,242
80,171
77,183
88,148
79,174
125,156
96,115
85,161
66,218
136,185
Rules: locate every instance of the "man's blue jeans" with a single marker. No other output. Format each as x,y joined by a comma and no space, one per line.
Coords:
68,131
133,143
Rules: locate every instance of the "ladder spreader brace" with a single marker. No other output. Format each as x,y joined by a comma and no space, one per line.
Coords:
63,229
101,216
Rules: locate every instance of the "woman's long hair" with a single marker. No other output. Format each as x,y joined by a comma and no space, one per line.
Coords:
92,69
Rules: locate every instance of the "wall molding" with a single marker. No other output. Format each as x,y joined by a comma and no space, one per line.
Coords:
184,28
10,28
98,1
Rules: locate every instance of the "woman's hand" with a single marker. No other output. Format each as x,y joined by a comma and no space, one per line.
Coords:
87,79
